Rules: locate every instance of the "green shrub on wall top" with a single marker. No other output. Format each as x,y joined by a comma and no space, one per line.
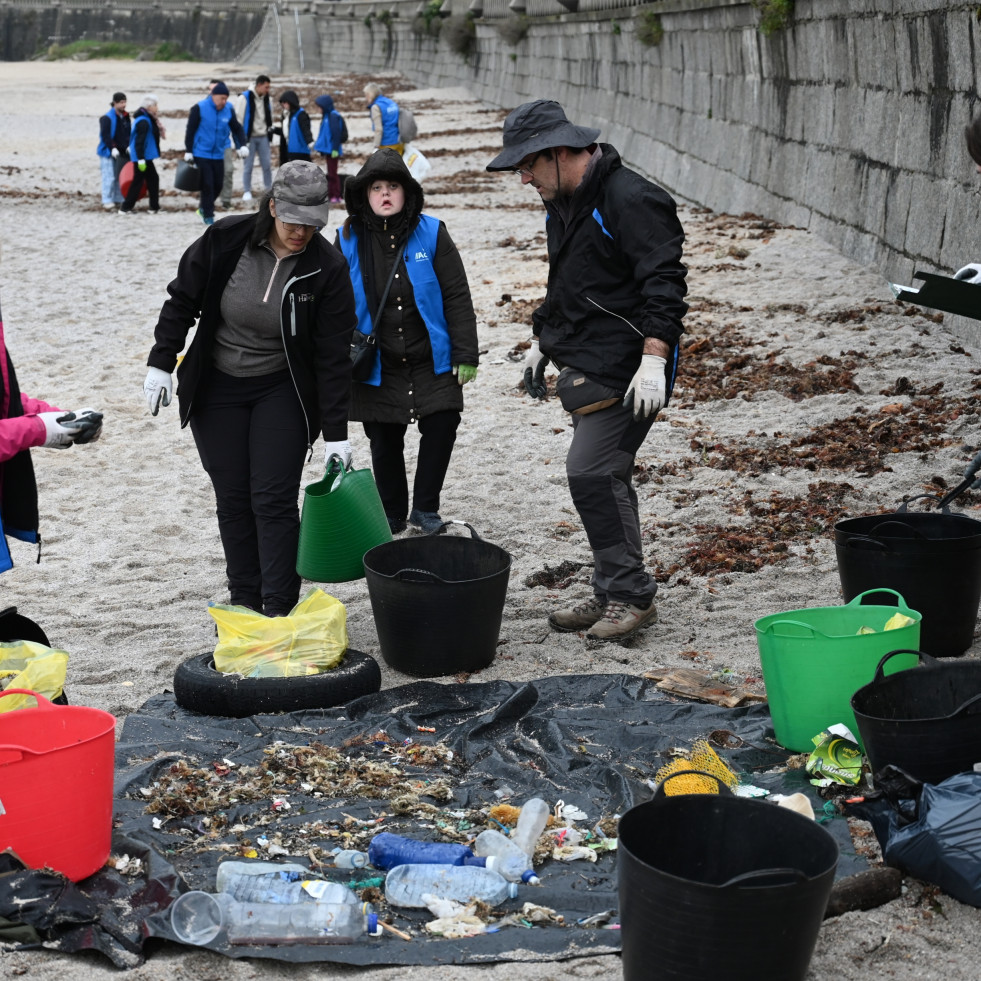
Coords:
460,34
648,29
774,15
513,29
428,22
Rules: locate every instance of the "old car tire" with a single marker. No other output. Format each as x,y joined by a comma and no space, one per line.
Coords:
200,688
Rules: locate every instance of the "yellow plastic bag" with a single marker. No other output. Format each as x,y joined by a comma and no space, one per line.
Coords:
25,664
313,638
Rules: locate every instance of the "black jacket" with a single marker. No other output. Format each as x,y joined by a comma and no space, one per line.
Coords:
410,389
615,274
317,318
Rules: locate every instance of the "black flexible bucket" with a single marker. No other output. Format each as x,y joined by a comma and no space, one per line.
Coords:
15,626
715,886
437,602
188,177
925,720
933,559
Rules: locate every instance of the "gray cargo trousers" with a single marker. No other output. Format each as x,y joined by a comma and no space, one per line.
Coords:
600,468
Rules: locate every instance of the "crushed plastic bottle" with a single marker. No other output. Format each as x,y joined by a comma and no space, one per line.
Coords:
200,917
350,858
268,882
407,885
531,823
387,851
504,856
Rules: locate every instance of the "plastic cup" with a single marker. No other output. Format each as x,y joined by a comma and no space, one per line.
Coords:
196,918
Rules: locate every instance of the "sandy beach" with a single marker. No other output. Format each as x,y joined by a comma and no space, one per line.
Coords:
805,394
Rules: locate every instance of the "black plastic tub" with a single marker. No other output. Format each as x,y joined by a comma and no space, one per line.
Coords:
437,602
715,886
933,559
925,720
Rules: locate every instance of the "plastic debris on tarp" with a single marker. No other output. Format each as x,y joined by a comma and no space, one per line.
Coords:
192,791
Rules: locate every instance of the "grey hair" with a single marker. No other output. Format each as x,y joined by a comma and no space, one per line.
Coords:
148,100
372,90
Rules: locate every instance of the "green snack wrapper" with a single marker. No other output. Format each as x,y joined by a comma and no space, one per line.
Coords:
835,758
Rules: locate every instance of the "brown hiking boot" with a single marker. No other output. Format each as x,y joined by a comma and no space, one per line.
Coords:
578,617
621,621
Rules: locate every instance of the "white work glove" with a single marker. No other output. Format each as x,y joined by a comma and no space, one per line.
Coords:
970,273
647,387
534,376
342,450
56,435
243,151
158,389
189,158
115,152
85,425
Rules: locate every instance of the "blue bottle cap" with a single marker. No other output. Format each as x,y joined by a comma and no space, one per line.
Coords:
374,930
529,878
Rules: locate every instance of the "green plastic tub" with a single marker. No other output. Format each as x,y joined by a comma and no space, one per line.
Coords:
814,661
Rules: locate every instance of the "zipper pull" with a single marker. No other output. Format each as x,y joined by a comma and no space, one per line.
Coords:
292,315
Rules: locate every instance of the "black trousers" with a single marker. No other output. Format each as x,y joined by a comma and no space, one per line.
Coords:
212,178
437,434
151,178
251,436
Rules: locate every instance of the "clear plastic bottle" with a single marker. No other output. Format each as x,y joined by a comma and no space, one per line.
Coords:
267,882
201,917
504,856
386,851
350,858
531,823
406,885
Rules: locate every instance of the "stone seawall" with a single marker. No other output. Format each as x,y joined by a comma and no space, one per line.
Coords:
213,33
848,122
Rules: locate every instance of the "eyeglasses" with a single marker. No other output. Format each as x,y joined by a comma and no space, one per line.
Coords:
294,226
525,168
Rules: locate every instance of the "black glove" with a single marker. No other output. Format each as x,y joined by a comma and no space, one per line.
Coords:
85,425
535,372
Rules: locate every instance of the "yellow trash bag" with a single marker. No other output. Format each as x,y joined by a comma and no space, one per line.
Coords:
311,639
26,664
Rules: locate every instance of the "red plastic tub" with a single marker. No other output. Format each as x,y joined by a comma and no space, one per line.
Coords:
56,773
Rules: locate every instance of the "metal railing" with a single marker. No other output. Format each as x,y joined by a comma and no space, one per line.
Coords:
299,37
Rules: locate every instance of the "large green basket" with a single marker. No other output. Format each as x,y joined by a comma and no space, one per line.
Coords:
814,660
342,518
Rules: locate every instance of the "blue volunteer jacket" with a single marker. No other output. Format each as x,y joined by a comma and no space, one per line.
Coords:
418,257
297,143
143,125
210,137
390,120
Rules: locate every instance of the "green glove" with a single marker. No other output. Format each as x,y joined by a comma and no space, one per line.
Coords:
141,165
335,153
465,373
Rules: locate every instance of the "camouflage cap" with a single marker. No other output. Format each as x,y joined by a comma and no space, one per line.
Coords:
301,194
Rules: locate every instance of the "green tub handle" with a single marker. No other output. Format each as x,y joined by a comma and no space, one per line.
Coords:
900,600
803,629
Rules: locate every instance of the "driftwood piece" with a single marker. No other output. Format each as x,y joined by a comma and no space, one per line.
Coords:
695,684
864,890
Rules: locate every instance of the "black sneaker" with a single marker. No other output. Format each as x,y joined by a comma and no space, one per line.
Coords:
428,522
396,525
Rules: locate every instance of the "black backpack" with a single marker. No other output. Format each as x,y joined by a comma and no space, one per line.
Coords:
343,128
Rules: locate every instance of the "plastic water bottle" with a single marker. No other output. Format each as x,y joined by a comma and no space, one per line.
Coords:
386,851
531,823
350,858
201,917
406,885
504,856
267,882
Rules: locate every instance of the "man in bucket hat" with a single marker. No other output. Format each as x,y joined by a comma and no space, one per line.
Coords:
612,314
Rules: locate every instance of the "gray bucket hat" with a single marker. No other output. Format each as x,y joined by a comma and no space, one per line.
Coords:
536,126
301,194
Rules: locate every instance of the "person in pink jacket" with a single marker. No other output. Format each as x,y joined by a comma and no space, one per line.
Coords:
26,422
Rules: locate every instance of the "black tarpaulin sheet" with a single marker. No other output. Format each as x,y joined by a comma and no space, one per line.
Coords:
590,740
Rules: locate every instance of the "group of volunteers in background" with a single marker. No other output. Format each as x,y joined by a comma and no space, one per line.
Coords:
217,132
